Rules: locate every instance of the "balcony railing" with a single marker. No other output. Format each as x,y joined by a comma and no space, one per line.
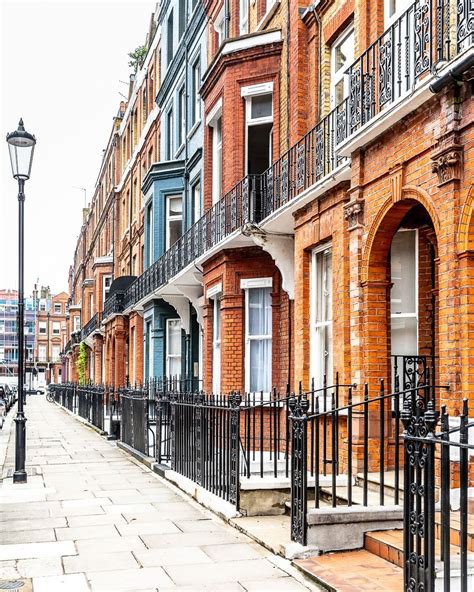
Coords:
75,338
92,325
113,305
410,49
427,34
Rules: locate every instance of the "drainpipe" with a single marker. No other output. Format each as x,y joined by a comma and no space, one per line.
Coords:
226,19
453,74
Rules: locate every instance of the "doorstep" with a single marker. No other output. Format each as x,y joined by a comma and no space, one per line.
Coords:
352,571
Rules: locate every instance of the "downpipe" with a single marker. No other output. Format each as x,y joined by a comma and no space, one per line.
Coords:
454,74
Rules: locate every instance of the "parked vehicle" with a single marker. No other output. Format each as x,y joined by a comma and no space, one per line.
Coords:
7,395
3,412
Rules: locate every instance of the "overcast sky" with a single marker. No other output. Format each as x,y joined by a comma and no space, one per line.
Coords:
61,67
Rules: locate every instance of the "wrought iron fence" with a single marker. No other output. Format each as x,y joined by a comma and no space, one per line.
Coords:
408,50
134,418
87,401
91,326
331,444
438,469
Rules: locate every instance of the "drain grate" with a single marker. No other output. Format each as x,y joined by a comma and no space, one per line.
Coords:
11,584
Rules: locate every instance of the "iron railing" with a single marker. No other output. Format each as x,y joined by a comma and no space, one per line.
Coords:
325,443
92,325
87,401
408,50
222,219
429,33
113,305
134,418
438,463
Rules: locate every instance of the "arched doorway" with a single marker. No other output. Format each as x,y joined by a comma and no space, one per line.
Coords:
400,279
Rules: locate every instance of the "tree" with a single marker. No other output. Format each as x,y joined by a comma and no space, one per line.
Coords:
137,57
81,363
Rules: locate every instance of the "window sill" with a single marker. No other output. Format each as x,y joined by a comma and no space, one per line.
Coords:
268,15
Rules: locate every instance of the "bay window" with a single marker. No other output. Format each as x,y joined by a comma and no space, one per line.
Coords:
173,348
258,334
174,219
321,345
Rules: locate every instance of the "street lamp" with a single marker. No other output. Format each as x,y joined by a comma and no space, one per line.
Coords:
21,145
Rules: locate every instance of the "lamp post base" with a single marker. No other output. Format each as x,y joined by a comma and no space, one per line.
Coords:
19,476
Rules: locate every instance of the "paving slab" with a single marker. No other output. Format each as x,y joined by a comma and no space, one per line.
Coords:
100,561
93,518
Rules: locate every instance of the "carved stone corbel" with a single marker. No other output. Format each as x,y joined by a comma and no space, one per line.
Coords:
354,214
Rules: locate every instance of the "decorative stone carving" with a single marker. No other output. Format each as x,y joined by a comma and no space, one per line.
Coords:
354,214
396,183
447,164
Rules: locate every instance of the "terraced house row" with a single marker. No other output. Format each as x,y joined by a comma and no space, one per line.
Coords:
286,204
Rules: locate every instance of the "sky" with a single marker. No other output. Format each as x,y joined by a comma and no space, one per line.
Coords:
61,67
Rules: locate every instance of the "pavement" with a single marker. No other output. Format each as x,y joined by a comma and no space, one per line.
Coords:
92,518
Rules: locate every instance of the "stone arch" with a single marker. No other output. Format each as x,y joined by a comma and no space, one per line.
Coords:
465,231
386,223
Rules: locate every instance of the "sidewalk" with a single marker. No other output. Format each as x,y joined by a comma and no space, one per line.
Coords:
92,518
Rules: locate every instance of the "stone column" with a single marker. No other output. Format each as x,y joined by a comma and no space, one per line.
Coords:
97,348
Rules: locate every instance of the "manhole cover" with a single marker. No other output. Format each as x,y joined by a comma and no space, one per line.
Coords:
11,584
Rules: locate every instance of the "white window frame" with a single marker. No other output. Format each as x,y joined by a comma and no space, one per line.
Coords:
42,353
215,294
170,218
169,134
42,325
336,77
249,284
244,16
390,19
106,289
168,355
77,323
411,315
216,153
219,24
196,85
56,325
181,116
316,356
57,304
150,221
55,356
197,211
249,94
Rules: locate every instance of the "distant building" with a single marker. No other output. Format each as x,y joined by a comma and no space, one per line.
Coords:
51,335
8,331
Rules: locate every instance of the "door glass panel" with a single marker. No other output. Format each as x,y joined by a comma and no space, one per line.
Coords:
403,264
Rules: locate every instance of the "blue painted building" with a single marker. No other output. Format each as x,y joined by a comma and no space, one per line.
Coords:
172,187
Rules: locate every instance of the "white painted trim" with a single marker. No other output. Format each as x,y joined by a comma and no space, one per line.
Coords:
265,88
262,282
214,113
248,42
214,291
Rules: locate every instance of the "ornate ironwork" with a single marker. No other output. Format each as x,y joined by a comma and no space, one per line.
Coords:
235,400
284,180
385,66
300,165
422,37
299,436
465,24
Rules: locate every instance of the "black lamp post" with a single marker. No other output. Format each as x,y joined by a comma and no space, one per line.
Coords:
21,145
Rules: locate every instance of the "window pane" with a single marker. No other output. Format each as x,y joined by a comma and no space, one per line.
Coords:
174,366
174,337
261,106
343,53
323,286
404,336
260,311
403,272
260,365
175,206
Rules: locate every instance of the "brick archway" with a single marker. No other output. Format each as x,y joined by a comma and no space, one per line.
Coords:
376,280
465,232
